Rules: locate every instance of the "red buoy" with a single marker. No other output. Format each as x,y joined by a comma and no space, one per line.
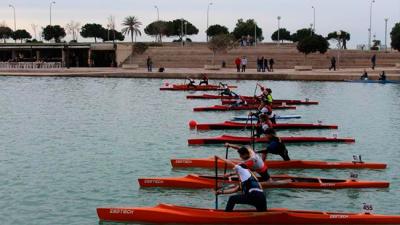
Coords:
192,124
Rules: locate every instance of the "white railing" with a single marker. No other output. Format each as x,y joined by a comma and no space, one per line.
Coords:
30,65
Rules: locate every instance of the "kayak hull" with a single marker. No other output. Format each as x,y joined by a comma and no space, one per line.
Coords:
228,125
185,87
287,101
238,108
209,163
257,101
278,117
247,140
194,181
171,214
374,81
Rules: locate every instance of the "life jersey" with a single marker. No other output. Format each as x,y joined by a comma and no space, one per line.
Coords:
256,163
267,99
248,182
268,111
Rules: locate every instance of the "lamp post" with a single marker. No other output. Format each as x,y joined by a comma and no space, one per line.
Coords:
313,18
370,24
208,16
339,34
158,13
15,20
51,5
386,22
279,30
311,29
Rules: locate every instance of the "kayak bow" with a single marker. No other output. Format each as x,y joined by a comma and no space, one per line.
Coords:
172,214
276,164
236,108
185,87
246,140
195,181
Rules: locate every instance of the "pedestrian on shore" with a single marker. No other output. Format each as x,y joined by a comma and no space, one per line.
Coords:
262,64
271,64
259,64
238,62
244,63
373,61
333,64
149,64
266,67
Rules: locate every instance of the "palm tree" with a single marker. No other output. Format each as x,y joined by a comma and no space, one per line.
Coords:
132,25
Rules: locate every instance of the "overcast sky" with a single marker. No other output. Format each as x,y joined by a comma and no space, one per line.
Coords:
349,15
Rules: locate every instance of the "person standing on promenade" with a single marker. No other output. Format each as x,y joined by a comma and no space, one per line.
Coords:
259,64
271,64
238,62
149,64
333,64
244,63
373,61
262,64
266,67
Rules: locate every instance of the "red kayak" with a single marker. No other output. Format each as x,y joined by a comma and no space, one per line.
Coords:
185,87
236,108
171,214
257,101
195,181
228,125
247,140
209,163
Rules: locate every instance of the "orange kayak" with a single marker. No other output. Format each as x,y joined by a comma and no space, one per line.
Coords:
195,181
185,87
171,214
276,164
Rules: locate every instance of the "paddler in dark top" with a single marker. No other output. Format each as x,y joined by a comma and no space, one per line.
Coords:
204,79
239,101
382,76
227,91
274,146
191,82
251,190
263,124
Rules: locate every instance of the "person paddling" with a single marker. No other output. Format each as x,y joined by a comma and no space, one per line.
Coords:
191,82
204,79
263,124
252,192
253,161
274,146
227,91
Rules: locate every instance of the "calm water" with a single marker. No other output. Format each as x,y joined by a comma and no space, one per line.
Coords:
68,146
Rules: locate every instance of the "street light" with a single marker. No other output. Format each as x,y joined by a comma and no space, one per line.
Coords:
15,21
208,15
313,17
279,28
311,29
370,24
386,22
158,13
339,34
51,5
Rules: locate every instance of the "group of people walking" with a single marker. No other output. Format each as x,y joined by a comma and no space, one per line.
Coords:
263,64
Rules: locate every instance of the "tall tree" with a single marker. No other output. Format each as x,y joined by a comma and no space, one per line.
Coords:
395,37
216,29
92,30
5,33
158,29
73,29
175,28
312,44
301,34
247,28
132,25
53,32
341,39
221,43
284,35
116,35
21,35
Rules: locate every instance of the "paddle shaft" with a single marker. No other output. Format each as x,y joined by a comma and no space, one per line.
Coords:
226,157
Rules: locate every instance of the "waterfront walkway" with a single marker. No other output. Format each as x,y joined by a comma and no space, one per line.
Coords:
393,73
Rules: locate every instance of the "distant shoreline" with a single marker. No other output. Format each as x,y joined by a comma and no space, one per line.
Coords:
227,74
